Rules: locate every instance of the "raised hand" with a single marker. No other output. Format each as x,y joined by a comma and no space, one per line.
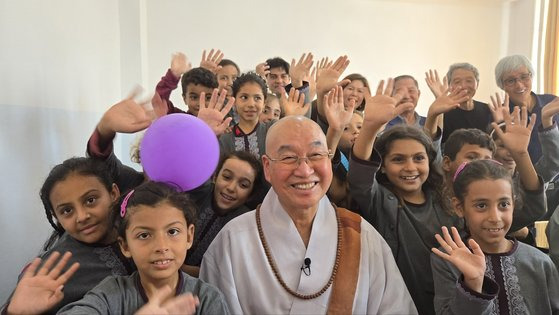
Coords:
38,292
548,111
212,60
180,64
294,103
329,75
447,101
262,69
161,303
159,105
516,136
311,78
214,112
434,83
470,262
127,116
497,106
321,65
383,107
297,71
336,114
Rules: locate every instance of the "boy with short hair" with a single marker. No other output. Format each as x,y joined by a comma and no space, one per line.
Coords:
193,82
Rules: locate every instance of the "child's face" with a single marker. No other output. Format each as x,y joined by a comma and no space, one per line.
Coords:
487,210
82,205
503,155
406,166
277,79
351,131
249,102
192,97
468,153
157,239
233,184
225,77
272,110
354,91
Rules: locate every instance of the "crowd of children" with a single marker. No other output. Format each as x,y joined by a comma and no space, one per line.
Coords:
454,194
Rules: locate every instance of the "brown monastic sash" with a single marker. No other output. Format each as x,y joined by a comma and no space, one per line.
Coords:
343,291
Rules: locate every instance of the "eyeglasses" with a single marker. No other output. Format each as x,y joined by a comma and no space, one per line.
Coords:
294,160
524,78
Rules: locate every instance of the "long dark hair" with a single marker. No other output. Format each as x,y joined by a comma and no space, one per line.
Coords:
479,170
76,165
150,194
401,132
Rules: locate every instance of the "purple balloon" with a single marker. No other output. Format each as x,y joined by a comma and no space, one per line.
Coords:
179,149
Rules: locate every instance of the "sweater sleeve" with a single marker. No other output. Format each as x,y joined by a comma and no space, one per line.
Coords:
548,165
534,206
103,299
553,237
453,297
363,186
164,88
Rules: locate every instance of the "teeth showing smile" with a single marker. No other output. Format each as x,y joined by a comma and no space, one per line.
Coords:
494,230
304,186
409,177
162,262
227,197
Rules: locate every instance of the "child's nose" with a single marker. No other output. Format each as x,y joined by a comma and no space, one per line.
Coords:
81,214
161,245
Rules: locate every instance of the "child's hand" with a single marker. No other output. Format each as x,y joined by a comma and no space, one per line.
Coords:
262,69
162,303
337,116
434,82
548,111
516,136
470,263
39,292
211,62
298,70
294,103
327,77
447,101
497,107
383,107
214,113
179,64
127,116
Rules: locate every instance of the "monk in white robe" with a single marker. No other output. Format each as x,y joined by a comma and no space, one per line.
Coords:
300,230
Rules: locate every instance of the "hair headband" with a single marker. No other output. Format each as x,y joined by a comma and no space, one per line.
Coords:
463,165
125,203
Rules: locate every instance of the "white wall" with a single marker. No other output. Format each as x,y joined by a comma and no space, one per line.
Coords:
64,62
382,38
60,66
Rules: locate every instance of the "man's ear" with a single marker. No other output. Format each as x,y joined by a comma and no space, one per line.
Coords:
266,167
124,247
458,207
184,99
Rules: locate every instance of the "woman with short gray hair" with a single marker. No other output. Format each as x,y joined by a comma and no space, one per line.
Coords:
514,75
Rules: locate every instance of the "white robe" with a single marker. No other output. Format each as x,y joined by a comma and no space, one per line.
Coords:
236,263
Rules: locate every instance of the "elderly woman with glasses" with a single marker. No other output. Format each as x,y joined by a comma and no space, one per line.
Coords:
514,75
